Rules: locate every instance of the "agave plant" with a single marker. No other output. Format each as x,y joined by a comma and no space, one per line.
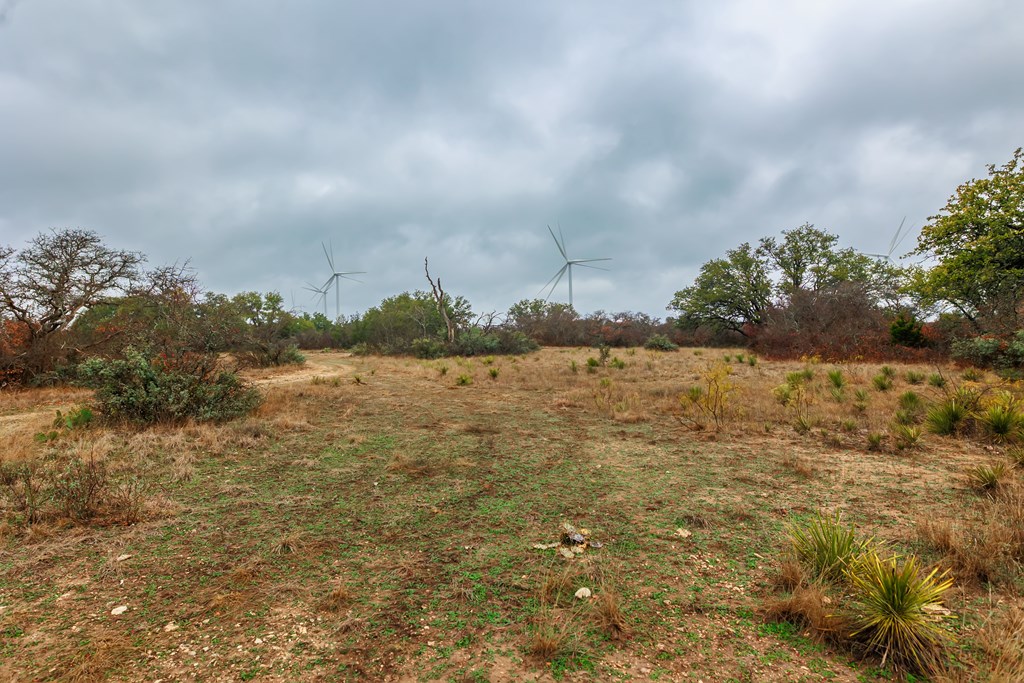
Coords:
897,611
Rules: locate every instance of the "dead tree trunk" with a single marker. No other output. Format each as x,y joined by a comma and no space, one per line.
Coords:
439,301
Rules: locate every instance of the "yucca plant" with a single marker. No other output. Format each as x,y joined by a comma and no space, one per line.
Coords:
836,379
910,401
906,436
837,394
913,377
897,611
936,380
947,417
972,375
987,478
795,379
1001,422
875,440
825,546
861,395
848,425
882,382
888,371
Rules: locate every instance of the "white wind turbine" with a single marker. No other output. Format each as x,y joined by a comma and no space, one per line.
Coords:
894,243
321,293
333,279
569,263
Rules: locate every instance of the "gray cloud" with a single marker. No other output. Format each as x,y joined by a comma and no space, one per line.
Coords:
240,135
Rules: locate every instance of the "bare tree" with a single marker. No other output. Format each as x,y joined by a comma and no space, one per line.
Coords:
440,300
48,285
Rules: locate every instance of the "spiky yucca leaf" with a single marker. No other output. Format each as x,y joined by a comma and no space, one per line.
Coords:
826,546
897,611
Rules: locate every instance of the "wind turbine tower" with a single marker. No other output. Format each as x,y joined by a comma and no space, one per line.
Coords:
569,263
336,275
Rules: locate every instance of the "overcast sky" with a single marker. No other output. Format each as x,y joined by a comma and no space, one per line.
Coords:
241,134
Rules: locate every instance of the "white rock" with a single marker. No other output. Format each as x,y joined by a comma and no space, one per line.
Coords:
171,626
583,593
119,610
122,558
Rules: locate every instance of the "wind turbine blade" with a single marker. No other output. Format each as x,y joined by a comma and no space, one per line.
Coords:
556,278
565,252
330,243
581,261
352,272
330,261
327,284
899,241
584,265
896,237
351,278
558,244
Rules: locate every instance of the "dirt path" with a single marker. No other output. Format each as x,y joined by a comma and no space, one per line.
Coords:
325,365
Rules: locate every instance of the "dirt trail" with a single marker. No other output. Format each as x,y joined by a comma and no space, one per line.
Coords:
326,365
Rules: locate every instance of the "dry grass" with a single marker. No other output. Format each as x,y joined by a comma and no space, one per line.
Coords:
809,608
339,598
791,575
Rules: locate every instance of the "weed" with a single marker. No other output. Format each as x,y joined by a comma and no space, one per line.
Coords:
573,367
442,369
493,372
23,487
896,609
127,498
752,360
848,425
617,363
79,487
710,400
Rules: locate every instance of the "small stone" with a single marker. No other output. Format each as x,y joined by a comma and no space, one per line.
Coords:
258,641
119,610
171,626
583,593
683,533
122,558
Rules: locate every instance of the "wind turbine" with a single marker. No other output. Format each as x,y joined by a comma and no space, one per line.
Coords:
569,263
321,294
335,276
897,239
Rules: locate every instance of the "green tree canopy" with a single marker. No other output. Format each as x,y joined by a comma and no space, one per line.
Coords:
978,240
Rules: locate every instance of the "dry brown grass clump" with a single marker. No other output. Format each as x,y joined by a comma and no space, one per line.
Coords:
337,600
809,608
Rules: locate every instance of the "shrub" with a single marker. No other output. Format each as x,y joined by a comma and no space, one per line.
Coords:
270,354
895,609
947,417
617,363
137,390
427,347
906,331
659,342
825,546
463,380
982,351
78,488
493,372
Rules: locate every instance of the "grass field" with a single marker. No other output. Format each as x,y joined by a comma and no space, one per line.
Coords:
378,519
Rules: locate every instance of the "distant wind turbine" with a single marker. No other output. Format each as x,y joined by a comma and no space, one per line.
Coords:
321,293
569,263
333,279
897,239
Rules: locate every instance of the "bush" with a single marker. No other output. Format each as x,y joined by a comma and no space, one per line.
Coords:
271,354
475,342
659,342
906,331
138,390
425,347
